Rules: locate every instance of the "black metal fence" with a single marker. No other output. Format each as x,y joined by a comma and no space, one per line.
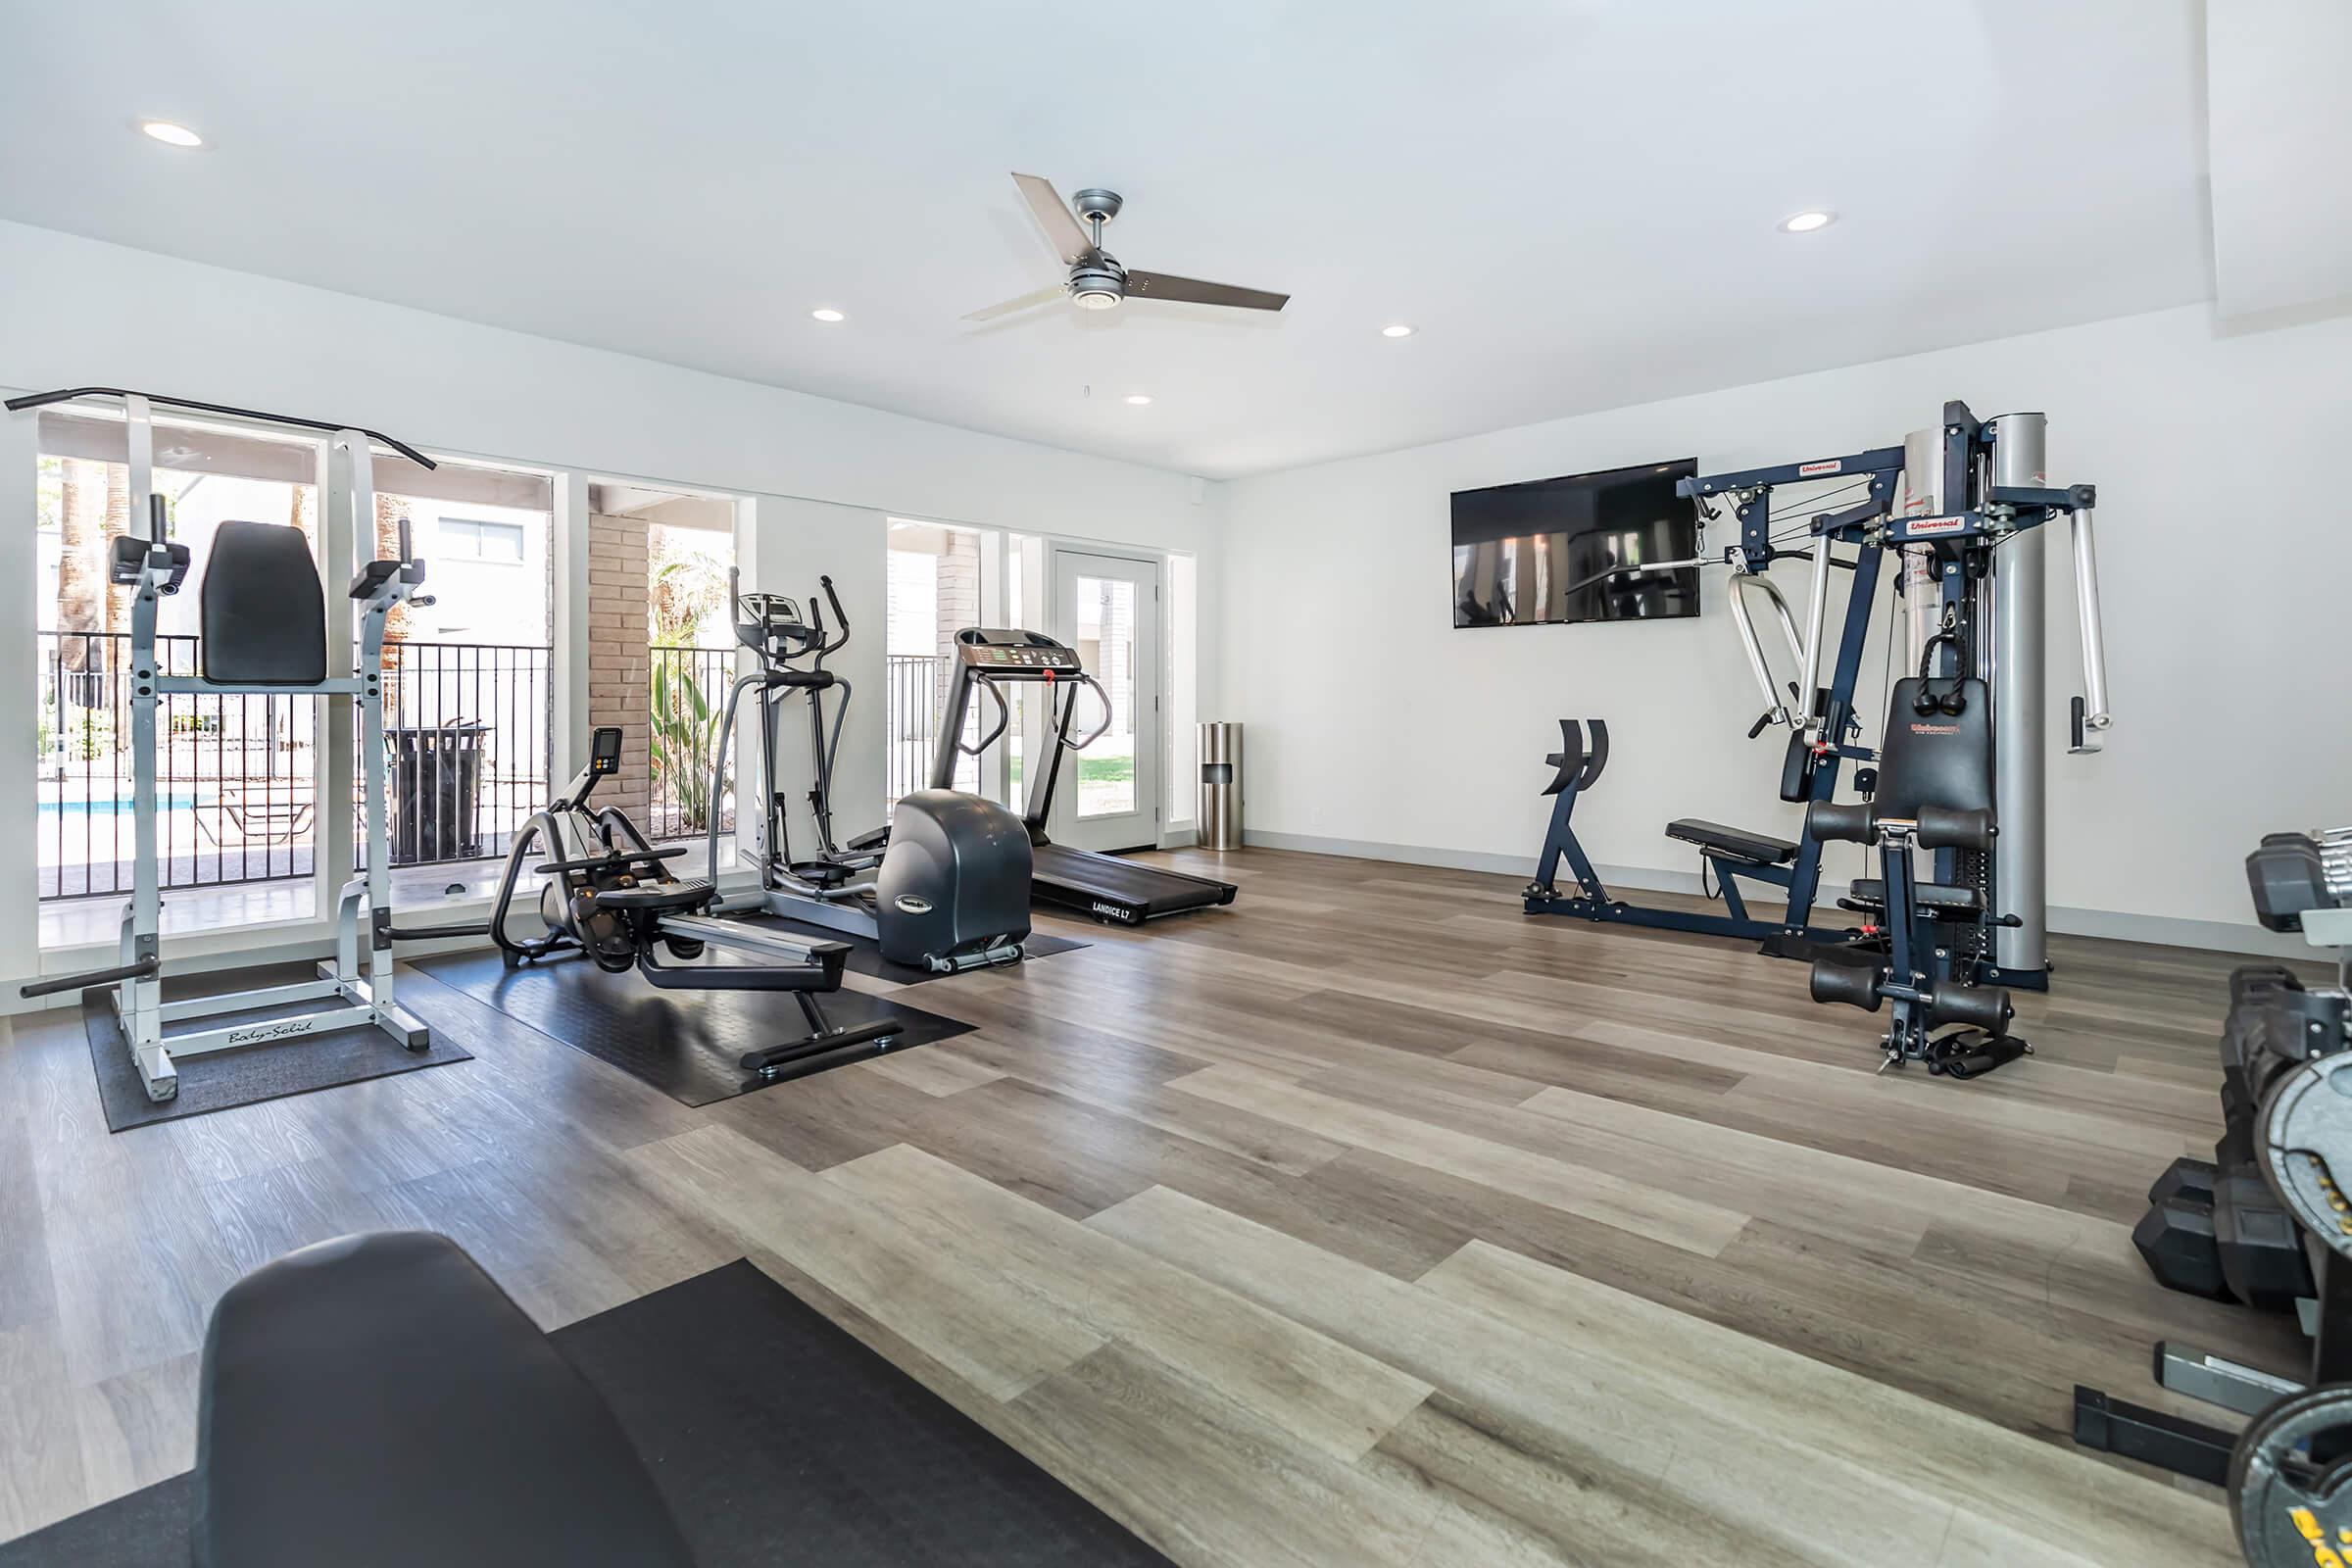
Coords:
471,732
689,686
912,683
236,774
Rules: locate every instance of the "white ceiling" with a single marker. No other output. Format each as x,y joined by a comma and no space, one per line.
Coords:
1573,200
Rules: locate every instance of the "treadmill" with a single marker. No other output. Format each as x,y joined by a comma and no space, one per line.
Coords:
1104,886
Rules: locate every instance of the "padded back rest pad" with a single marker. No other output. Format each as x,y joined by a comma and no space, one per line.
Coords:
263,612
1943,759
377,1400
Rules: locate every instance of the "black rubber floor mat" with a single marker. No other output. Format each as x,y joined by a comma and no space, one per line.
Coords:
866,953
249,1074
773,1435
683,1043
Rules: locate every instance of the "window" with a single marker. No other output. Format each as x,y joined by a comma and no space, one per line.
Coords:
934,590
240,775
471,539
1183,684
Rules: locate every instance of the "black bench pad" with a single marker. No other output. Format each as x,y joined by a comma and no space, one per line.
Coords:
1760,849
1931,895
379,1400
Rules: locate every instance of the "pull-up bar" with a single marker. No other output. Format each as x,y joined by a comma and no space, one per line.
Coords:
38,400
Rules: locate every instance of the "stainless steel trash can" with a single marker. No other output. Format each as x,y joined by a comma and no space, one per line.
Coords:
1219,811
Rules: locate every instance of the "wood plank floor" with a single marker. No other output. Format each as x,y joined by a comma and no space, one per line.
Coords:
1367,1221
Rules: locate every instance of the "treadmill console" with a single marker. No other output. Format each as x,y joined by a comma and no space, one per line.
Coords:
1003,652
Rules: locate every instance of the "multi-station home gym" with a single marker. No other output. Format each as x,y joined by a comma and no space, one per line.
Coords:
685,897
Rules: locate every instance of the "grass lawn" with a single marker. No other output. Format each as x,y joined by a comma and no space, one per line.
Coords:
1106,769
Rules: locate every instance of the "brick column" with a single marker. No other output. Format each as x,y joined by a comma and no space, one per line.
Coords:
618,675
955,604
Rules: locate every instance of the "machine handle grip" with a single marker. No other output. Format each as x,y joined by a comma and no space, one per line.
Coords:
1003,722
428,933
91,979
1746,627
2091,707
826,647
1069,711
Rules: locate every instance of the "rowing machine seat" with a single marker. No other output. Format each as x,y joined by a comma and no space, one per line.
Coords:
1757,849
687,893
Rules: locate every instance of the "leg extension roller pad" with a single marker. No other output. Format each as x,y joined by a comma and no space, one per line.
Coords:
1984,1007
1854,984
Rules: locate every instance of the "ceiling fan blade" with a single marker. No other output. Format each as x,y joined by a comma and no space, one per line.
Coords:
1067,234
1193,291
990,313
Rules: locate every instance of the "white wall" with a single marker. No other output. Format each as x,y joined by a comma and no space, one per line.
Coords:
1373,722
75,312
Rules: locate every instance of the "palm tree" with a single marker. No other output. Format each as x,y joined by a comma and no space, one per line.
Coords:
390,512
117,523
81,599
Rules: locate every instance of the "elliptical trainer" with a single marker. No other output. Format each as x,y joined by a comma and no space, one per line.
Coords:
945,887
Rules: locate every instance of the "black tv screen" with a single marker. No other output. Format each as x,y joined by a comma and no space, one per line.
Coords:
1578,548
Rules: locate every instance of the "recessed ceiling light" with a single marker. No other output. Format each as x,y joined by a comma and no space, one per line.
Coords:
827,314
1806,223
164,131
1398,330
1139,399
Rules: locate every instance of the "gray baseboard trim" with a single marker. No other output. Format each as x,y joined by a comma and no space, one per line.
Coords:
2163,930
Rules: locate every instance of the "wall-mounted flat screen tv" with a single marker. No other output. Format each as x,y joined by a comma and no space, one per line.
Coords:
1578,548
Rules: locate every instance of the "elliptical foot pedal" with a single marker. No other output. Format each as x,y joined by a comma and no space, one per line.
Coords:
1972,1052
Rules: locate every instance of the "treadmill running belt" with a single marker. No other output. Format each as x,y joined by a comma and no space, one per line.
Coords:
1113,888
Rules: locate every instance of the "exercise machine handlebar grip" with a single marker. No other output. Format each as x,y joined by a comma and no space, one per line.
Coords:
429,933
91,979
1849,822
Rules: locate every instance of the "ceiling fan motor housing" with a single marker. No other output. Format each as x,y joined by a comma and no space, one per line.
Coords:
1097,282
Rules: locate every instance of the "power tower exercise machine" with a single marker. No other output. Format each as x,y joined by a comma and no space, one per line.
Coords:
1956,508
943,887
264,633
1104,886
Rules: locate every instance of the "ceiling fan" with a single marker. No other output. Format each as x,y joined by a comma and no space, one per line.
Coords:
1097,281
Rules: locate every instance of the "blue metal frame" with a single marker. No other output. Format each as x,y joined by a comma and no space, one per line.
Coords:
1872,526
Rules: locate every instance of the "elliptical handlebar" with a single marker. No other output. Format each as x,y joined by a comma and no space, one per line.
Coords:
826,649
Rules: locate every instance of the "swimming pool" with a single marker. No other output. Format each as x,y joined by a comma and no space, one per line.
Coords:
102,806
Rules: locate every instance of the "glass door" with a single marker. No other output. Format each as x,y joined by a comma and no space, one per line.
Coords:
1107,797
